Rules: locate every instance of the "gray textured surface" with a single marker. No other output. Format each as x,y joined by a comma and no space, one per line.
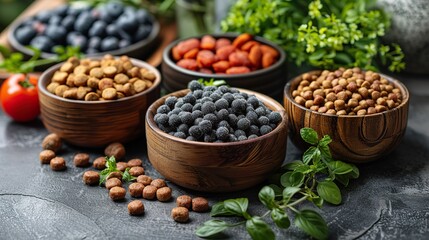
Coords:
390,200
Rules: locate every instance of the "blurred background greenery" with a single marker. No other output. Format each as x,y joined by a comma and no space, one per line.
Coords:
10,9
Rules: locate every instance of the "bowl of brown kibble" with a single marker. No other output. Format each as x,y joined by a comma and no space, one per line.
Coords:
364,112
242,60
96,101
216,139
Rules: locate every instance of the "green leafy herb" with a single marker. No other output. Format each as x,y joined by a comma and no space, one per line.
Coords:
110,168
310,179
212,82
14,62
134,3
322,33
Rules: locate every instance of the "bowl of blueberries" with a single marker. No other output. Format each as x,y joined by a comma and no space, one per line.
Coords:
216,139
111,27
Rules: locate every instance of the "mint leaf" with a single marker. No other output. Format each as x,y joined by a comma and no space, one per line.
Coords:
284,179
127,177
259,230
340,168
237,206
329,191
266,196
312,223
289,192
219,210
211,228
280,218
296,179
311,154
309,135
292,165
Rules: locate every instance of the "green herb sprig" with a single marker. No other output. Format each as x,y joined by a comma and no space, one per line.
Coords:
14,62
93,3
111,167
312,179
212,82
322,33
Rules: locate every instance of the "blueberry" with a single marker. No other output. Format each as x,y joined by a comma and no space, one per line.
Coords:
91,51
187,107
104,15
263,120
254,101
44,16
76,39
239,105
115,9
109,44
73,11
170,101
265,129
162,119
174,120
123,43
210,88
243,124
239,133
232,119
211,117
163,109
55,20
260,111
229,97
43,43
197,114
222,133
221,104
245,95
215,96
208,107
125,35
223,123
205,126
183,128
94,43
207,94
172,133
68,22
180,135
179,103
97,29
210,137
198,93
186,117
254,130
249,108
143,17
25,34
190,138
252,136
242,138
272,125
175,111
223,89
195,85
232,138
197,106
128,23
222,114
56,33
233,90
253,117
189,98
238,96
61,11
206,99
84,22
198,120
275,117
195,132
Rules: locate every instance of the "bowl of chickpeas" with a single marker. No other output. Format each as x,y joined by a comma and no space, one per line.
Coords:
93,102
364,112
242,60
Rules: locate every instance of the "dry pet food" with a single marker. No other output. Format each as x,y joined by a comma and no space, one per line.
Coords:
58,164
200,204
45,156
180,214
81,160
52,142
136,208
117,193
136,189
184,201
91,178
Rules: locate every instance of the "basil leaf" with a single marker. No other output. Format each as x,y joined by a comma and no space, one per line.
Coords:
325,141
355,172
284,179
296,179
340,168
329,191
211,228
259,230
219,210
237,206
312,153
288,193
292,165
266,196
309,135
343,179
312,223
303,169
280,218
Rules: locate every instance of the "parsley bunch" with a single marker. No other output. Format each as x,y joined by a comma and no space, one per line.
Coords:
323,33
310,179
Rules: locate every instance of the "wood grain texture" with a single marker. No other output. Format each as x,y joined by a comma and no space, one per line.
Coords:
355,138
96,124
269,81
216,167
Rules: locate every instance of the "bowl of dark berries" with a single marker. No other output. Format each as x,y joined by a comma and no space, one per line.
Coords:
364,112
112,28
93,102
216,139
242,60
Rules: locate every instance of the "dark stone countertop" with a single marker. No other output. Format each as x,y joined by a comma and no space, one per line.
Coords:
389,200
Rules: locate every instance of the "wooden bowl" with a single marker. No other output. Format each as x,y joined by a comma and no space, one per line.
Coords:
216,167
356,139
96,123
269,81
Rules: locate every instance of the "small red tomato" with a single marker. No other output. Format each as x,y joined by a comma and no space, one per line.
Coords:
18,97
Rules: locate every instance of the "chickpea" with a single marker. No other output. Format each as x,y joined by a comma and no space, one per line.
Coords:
375,95
352,87
67,67
81,70
318,92
343,82
361,112
390,103
314,85
304,83
110,71
59,91
331,112
371,110
342,96
338,88
149,75
356,96
121,78
370,102
352,103
322,109
295,93
92,96
93,82
300,100
381,101
109,94
318,100
327,84
330,105
339,104
60,77
341,112
309,103
139,86
105,83
314,108
380,108
52,86
70,93
331,97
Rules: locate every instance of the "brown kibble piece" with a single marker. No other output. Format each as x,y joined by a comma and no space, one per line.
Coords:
149,76
105,83
45,156
135,162
81,69
200,204
99,163
67,67
93,82
113,182
80,80
60,77
115,149
52,86
180,214
109,94
149,192
70,93
58,164
136,189
121,166
117,175
117,193
139,86
91,178
136,171
158,183
110,71
81,160
92,96
121,78
52,142
184,201
163,194
136,208
145,180
59,91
